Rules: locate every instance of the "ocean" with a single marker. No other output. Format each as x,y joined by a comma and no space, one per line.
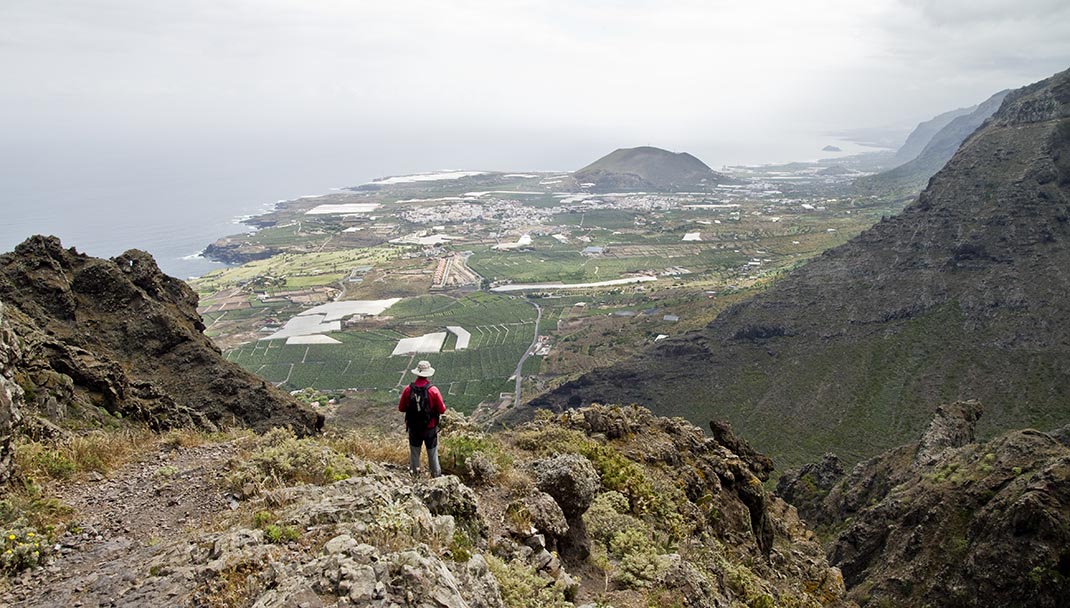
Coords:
167,206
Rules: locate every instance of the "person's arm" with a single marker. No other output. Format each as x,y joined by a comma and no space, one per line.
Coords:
403,404
438,406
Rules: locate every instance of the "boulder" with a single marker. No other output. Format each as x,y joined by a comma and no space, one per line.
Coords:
546,515
446,495
570,479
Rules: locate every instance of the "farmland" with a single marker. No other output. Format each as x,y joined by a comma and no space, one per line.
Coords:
502,327
402,238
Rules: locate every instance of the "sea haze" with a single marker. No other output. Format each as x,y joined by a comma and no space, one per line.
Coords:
171,203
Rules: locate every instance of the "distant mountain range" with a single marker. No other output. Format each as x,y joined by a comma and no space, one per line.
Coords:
930,146
648,169
924,133
966,294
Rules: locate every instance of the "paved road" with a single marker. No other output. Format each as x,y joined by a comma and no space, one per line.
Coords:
527,353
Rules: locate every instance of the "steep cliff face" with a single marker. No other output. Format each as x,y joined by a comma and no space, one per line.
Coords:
963,295
10,396
120,336
949,521
915,171
925,131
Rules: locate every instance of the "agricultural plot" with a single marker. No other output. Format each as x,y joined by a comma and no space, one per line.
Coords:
611,219
299,269
572,267
501,328
477,308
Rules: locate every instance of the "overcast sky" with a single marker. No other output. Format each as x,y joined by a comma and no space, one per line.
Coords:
507,84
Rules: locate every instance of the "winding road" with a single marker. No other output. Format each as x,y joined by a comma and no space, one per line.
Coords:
527,353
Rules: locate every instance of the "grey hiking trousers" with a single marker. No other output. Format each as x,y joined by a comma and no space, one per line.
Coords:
417,440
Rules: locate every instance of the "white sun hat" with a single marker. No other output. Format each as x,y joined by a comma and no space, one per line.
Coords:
424,369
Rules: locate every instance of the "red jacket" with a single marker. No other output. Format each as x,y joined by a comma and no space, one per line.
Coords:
434,398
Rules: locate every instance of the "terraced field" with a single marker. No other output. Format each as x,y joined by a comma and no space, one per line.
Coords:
502,328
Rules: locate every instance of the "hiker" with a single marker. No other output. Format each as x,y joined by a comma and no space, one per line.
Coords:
422,403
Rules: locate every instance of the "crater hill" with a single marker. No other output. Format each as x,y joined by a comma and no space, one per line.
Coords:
95,340
648,169
965,294
948,520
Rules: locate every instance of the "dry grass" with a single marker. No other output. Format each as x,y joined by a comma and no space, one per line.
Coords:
517,481
373,447
76,455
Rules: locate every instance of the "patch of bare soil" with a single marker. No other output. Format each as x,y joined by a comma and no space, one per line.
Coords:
121,521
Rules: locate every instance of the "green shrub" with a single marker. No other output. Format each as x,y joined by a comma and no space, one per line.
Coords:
607,517
52,464
522,587
640,569
22,548
461,547
263,518
279,458
25,506
278,534
458,451
630,542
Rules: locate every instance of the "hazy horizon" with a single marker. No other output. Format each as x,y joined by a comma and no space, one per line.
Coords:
125,108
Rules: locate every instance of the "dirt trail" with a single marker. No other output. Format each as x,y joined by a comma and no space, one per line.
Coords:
121,521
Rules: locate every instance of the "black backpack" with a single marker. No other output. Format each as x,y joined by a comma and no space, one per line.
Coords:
418,414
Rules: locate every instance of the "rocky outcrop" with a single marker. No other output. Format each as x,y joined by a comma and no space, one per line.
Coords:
10,397
952,427
234,251
964,295
666,510
118,337
807,487
951,522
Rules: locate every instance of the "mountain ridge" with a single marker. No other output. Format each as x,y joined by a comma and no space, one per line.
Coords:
959,296
924,132
913,173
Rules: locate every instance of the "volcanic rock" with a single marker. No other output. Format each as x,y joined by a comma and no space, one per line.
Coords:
120,337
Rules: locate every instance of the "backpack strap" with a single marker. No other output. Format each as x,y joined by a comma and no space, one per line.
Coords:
430,408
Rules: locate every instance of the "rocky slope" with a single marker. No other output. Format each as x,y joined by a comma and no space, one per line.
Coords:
605,504
949,521
916,171
648,169
10,397
119,338
963,295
